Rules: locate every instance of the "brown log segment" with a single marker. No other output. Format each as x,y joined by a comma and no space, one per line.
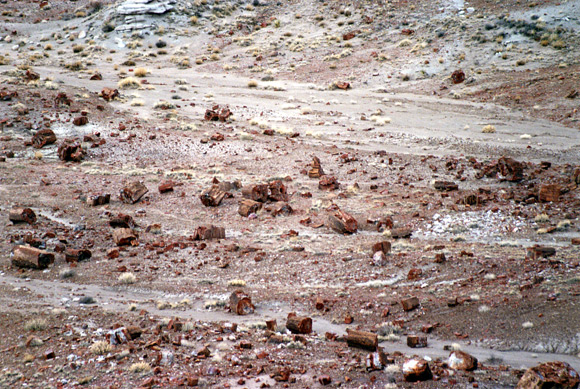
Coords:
212,197
241,303
165,187
133,192
208,233
299,324
122,221
549,192
100,199
256,192
77,255
124,236
277,191
42,138
22,215
70,150
30,257
316,169
362,339
416,341
384,247
342,222
248,206
410,303
537,251
446,186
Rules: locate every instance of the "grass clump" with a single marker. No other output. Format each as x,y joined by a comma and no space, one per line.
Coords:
140,72
140,367
101,348
35,325
129,83
127,278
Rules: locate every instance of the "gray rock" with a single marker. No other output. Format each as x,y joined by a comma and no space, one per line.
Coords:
141,7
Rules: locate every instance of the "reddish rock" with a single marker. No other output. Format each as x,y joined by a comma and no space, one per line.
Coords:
316,168
343,223
445,186
328,183
80,120
217,114
77,255
549,193
22,215
383,246
324,380
415,341
550,375
94,200
165,187
43,138
133,192
124,236
376,360
109,94
241,303
537,251
209,233
71,150
31,257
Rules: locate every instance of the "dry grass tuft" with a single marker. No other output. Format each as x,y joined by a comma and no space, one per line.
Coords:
129,83
140,72
101,348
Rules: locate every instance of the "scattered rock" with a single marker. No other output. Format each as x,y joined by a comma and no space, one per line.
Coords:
550,375
133,192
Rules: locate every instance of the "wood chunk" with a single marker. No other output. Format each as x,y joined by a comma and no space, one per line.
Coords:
343,223
77,255
165,187
383,246
415,341
241,303
410,303
400,233
277,191
70,150
133,192
537,251
30,257
256,192
122,221
248,207
213,196
316,168
282,208
80,120
511,169
555,374
362,339
22,215
124,236
42,138
328,183
109,94
416,370
208,233
299,324
377,360
446,186
271,325
460,360
549,192
100,199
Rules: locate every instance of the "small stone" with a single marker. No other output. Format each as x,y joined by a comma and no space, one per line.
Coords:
460,360
416,370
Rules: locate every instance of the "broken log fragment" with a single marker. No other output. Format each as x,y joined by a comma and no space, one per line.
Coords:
80,120
165,187
555,374
30,257
22,215
445,186
248,207
100,199
277,191
362,339
415,341
216,113
343,223
122,221
70,150
213,196
208,233
316,169
282,208
256,192
42,138
133,192
299,324
109,94
241,303
549,193
410,303
328,183
460,360
416,370
124,236
537,251
77,255
384,247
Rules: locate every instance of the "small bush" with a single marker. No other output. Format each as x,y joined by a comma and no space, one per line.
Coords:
35,325
140,367
129,83
160,44
193,20
252,84
101,348
140,72
127,278
137,103
78,48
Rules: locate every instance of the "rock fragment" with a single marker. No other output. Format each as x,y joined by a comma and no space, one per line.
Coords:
109,94
42,138
410,303
241,303
416,370
209,233
213,196
460,360
299,324
124,236
98,199
22,215
342,222
362,339
71,150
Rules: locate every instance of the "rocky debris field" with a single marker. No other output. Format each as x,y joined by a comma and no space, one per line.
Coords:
297,194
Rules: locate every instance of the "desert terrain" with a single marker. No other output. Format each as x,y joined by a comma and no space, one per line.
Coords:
253,194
